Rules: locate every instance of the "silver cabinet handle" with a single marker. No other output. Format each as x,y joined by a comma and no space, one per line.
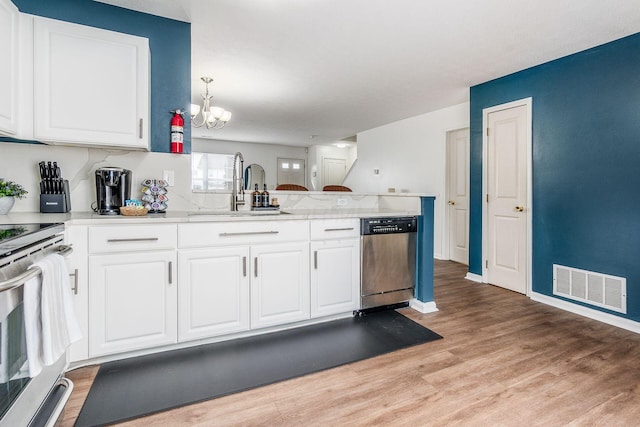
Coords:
315,259
244,266
339,229
247,233
141,122
75,281
255,266
140,239
170,272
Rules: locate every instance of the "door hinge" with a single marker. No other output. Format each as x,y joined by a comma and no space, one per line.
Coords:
487,197
487,131
486,263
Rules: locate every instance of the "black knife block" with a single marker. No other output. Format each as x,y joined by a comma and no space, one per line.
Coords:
56,203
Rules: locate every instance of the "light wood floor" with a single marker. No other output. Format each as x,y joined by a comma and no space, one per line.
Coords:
504,361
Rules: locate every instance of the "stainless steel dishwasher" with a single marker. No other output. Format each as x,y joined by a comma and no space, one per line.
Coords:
387,260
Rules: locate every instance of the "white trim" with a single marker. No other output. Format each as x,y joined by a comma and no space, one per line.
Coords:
474,277
423,307
528,102
610,319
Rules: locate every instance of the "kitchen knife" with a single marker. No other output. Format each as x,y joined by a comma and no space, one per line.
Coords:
42,170
56,170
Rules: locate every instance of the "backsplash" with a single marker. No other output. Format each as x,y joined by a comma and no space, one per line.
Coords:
19,162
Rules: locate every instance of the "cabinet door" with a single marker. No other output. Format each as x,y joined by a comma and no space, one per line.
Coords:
213,295
335,276
76,236
9,18
91,86
132,301
279,284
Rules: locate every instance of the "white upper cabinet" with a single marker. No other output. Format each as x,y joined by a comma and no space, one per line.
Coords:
9,19
91,86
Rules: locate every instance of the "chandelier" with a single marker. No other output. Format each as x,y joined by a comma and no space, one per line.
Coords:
211,117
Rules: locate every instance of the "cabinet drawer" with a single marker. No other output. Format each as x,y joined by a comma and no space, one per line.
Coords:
242,232
128,238
322,229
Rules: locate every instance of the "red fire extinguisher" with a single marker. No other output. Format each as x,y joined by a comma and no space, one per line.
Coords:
177,131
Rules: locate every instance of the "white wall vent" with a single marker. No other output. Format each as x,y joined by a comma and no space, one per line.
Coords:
593,288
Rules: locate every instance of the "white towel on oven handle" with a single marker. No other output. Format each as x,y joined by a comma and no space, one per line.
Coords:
50,320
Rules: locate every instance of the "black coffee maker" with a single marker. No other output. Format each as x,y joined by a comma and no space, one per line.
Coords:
113,188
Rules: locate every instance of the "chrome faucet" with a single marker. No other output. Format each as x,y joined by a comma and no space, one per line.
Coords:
237,183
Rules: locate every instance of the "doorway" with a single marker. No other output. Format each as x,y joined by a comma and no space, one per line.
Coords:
458,195
507,207
333,171
291,171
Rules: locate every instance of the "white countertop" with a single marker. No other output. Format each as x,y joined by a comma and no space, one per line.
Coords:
91,218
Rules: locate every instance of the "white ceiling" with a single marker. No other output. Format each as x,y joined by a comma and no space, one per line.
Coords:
288,69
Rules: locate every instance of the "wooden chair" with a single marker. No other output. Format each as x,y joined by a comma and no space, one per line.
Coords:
291,187
335,188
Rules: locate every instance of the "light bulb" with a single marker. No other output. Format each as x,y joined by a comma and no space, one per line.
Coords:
226,116
217,112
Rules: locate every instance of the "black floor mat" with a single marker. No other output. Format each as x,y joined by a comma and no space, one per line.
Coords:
143,385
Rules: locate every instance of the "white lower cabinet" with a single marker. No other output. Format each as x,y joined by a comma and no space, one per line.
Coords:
76,236
132,301
335,276
133,294
213,296
235,288
335,266
224,278
249,275
279,284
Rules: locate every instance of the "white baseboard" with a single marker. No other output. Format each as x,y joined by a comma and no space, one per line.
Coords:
600,316
473,277
423,307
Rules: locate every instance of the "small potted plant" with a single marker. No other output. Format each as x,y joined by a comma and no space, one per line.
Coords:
9,191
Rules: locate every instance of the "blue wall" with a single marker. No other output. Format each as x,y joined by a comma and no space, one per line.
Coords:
424,252
170,45
586,163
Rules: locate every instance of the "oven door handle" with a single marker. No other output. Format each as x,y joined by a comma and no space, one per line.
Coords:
20,279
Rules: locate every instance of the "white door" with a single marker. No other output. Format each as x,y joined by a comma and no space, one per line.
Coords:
76,235
458,190
335,276
291,171
279,284
213,296
506,198
91,86
132,301
333,171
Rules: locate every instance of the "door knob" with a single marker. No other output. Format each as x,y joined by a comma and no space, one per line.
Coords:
519,208
451,203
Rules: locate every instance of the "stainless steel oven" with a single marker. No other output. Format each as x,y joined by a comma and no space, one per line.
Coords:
388,260
26,401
